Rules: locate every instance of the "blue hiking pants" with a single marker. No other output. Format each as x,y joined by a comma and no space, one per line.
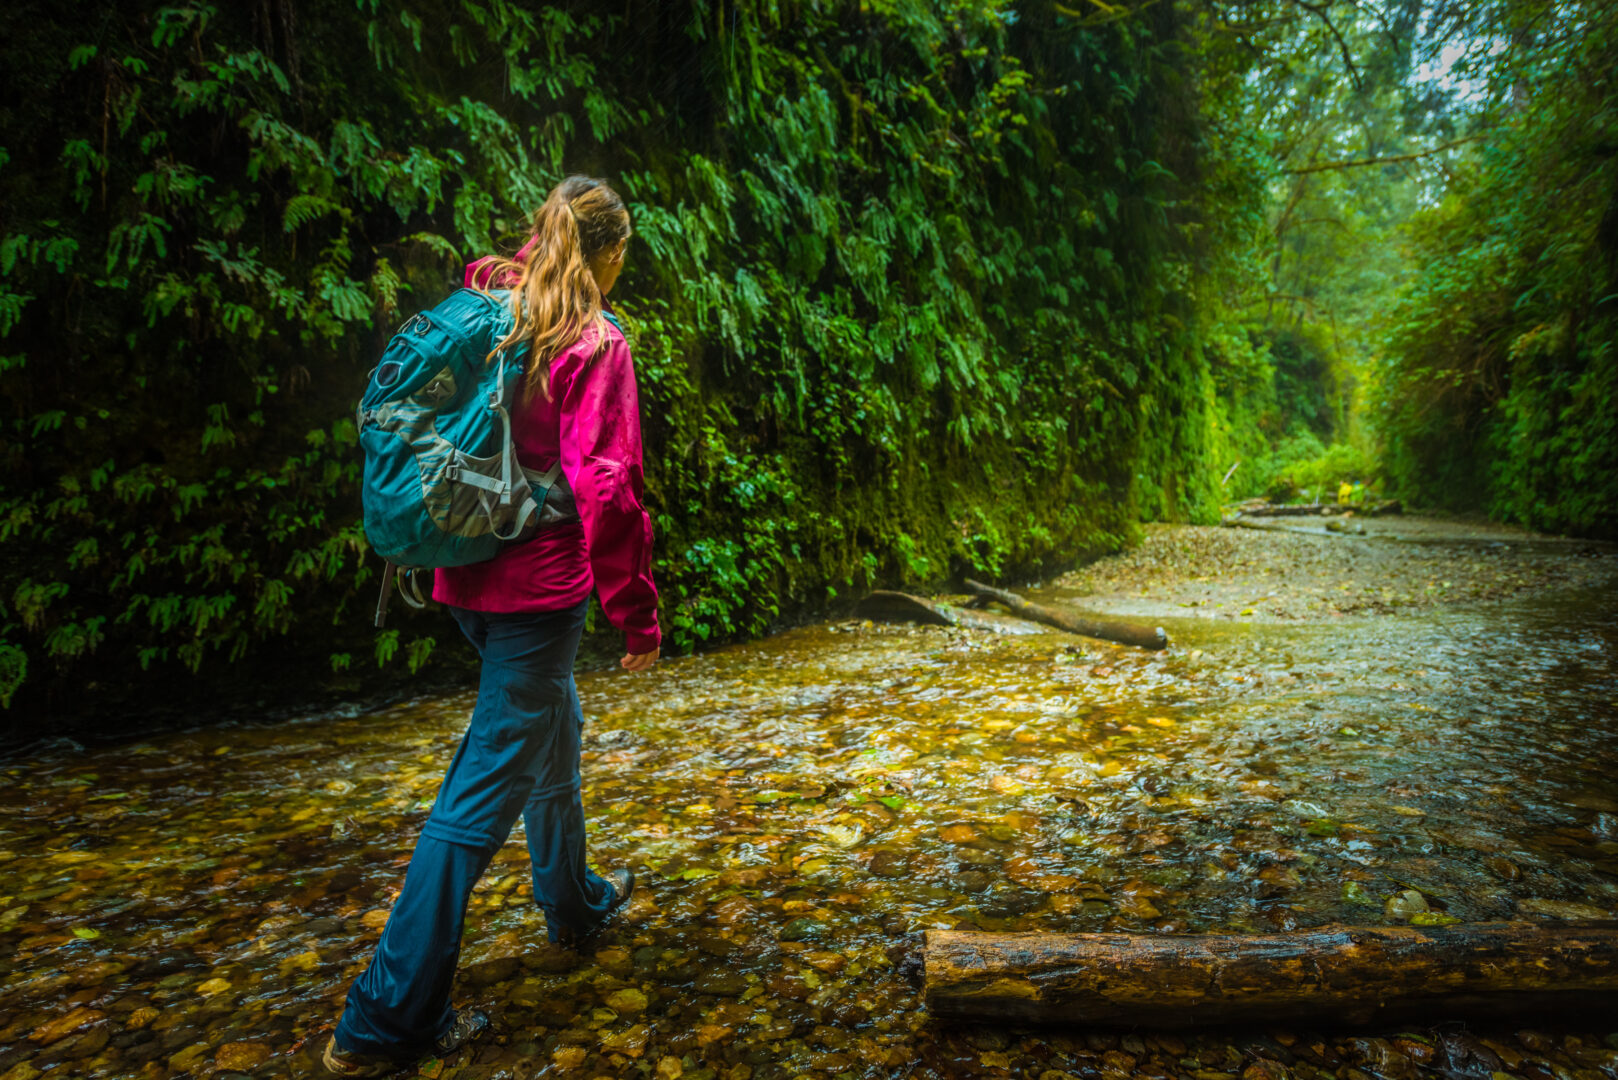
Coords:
520,754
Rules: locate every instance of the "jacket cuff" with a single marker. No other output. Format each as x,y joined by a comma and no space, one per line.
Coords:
638,642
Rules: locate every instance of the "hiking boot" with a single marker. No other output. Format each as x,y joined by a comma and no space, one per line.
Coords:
622,881
340,1062
464,1026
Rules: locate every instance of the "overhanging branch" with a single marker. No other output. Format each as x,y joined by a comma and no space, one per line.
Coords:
1328,166
1322,12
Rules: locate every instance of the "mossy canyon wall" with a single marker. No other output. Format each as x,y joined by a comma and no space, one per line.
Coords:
909,295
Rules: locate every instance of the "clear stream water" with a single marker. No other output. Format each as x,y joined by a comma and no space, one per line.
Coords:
196,904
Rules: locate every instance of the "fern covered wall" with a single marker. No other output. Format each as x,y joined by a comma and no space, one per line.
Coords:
908,296
1499,391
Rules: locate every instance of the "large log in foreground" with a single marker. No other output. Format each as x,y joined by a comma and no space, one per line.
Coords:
1139,634
1350,975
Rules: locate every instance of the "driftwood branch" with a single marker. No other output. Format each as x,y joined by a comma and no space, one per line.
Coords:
885,606
1338,975
1288,510
1260,526
903,607
1146,637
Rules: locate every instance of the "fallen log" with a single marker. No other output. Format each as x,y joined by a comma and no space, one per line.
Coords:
1262,526
1288,510
902,607
1343,975
885,606
1339,526
1146,637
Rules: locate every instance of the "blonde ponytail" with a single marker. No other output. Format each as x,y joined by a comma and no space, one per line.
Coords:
556,298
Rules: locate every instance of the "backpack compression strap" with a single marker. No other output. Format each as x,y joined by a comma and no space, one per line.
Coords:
505,488
409,589
530,505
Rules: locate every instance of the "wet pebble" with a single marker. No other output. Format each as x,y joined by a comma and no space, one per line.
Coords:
242,1056
1402,906
1381,1057
1422,1053
1503,868
490,971
721,982
888,863
1266,1069
971,881
628,1001
61,1026
1467,1055
803,928
1560,909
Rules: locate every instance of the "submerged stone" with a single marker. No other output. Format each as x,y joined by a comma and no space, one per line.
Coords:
721,982
1403,905
803,928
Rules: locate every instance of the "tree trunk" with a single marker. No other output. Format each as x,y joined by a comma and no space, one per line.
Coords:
1350,975
1146,637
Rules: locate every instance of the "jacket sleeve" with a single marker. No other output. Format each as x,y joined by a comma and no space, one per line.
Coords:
601,458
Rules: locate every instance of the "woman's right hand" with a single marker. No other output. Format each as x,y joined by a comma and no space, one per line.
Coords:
640,661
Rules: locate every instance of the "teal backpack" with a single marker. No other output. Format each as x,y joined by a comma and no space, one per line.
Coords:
442,483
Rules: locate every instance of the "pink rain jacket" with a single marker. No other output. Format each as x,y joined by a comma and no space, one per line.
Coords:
592,422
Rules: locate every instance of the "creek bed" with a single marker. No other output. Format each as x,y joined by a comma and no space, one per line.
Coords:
197,904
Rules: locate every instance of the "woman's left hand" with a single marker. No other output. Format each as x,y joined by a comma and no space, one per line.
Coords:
640,661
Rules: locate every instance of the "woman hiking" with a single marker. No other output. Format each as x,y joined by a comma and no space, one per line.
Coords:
523,611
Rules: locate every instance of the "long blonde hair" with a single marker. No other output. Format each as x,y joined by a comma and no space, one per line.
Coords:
554,297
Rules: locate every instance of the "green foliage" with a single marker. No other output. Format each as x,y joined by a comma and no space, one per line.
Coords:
1302,467
1500,386
1320,108
908,296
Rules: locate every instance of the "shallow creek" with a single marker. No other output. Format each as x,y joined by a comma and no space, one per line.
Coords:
197,904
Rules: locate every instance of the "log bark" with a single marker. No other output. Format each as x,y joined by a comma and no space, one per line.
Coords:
1146,637
1344,975
1261,526
885,606
1274,510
